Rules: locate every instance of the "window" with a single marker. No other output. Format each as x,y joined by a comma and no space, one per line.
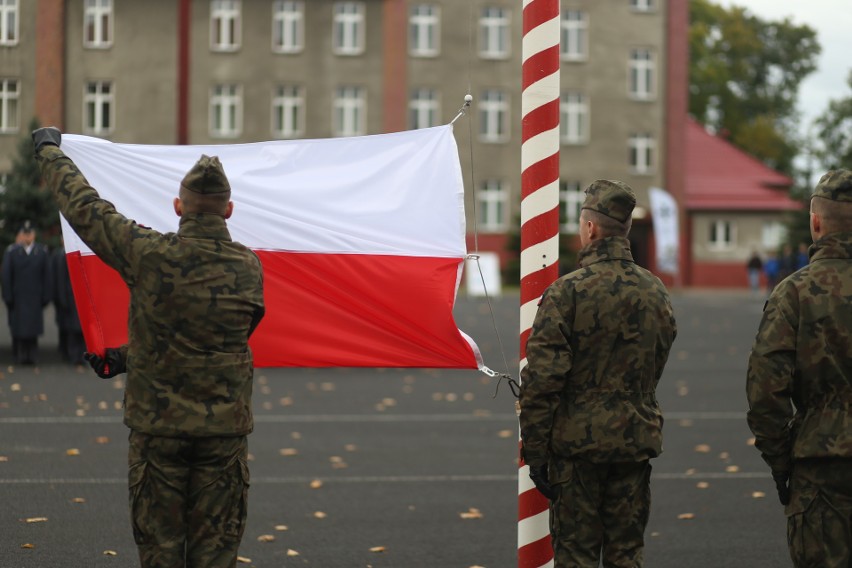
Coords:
424,110
288,27
722,234
424,31
226,111
574,119
8,22
641,70
494,116
493,200
349,27
571,198
494,33
642,5
225,25
288,111
97,24
642,148
98,108
575,36
9,105
774,233
350,109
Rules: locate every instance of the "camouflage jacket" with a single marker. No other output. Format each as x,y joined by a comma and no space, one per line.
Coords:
802,356
600,340
195,297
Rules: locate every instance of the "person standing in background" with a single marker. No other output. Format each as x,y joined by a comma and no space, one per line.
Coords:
754,266
71,343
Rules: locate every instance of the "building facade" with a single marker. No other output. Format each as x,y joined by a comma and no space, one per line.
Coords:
232,71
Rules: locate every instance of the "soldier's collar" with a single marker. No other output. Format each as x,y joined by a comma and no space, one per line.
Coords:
609,248
204,226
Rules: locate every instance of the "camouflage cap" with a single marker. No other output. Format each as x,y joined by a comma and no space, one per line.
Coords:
614,199
835,185
206,176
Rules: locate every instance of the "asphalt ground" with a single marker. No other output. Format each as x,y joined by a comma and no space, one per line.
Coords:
402,468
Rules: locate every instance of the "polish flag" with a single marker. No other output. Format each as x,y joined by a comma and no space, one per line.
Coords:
362,242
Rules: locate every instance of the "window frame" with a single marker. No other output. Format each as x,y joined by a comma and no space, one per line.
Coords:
574,34
642,72
424,25
574,119
643,6
93,120
418,107
349,109
288,104
220,103
349,29
492,201
494,112
571,198
645,145
226,20
287,23
729,229
10,9
10,108
495,29
100,14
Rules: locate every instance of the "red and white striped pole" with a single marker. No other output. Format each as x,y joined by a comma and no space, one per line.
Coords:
539,228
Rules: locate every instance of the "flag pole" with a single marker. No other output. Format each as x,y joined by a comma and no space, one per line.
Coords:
539,228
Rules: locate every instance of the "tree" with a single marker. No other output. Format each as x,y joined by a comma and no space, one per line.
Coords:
22,197
744,78
835,131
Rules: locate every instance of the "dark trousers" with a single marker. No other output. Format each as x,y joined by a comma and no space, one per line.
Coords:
26,350
600,513
188,499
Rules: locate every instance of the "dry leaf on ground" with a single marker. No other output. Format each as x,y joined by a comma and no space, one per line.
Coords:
377,549
320,515
291,552
265,538
28,545
686,516
316,484
72,452
702,448
288,451
471,513
758,495
37,519
281,527
702,485
110,553
243,560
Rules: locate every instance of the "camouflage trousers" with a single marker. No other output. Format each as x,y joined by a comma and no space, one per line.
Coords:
600,512
188,499
819,516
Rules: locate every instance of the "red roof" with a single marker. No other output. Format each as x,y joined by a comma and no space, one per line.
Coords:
720,176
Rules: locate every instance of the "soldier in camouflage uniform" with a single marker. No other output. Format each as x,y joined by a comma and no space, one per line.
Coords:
195,298
799,385
590,421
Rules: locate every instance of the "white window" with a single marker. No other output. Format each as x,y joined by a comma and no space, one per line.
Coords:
8,22
97,23
424,31
575,35
288,111
642,149
494,33
722,234
773,235
424,108
288,26
225,25
226,111
642,5
493,201
349,28
571,198
98,108
9,105
574,119
494,116
350,110
641,74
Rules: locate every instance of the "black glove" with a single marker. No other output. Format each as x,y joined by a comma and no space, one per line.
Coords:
49,135
539,477
782,484
108,366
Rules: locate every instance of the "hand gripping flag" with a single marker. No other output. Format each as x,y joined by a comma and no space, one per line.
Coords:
362,242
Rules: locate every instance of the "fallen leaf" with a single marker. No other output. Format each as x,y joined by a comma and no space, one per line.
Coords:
732,468
316,484
281,527
451,397
265,538
686,516
15,387
296,435
291,552
42,397
690,471
685,422
110,553
285,401
37,519
327,387
72,452
468,396
28,545
4,459
702,449
758,495
471,513
102,405
288,451
702,485
80,412
350,447
319,515
267,405
506,433
377,549
243,560
78,500
724,455
102,440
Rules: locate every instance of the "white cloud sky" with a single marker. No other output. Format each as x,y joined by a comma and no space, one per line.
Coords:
832,20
